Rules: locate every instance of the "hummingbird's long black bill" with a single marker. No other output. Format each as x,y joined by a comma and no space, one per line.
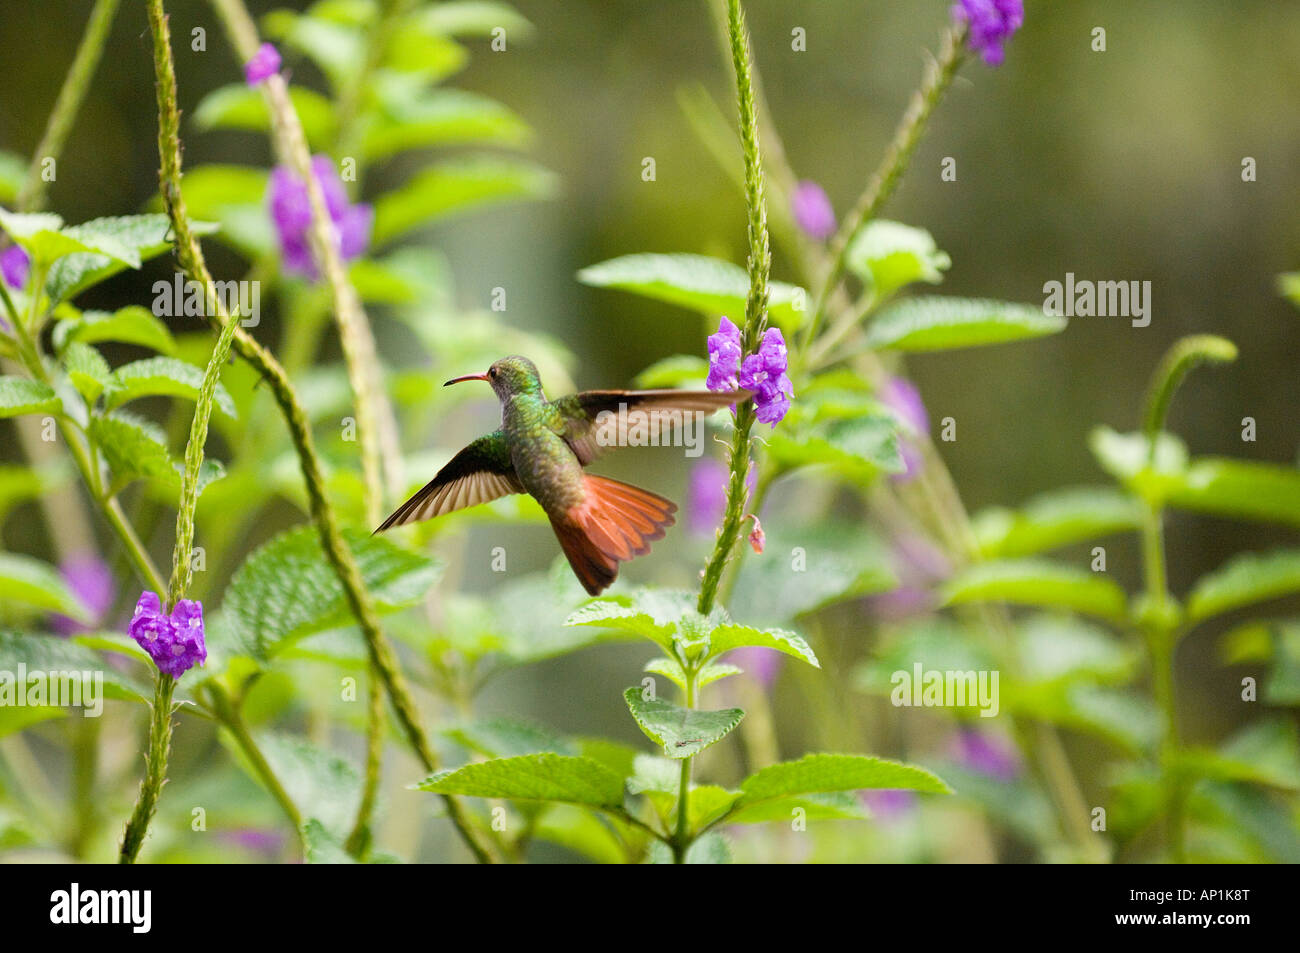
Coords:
467,377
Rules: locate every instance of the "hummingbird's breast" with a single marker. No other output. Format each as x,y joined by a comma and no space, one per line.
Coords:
543,460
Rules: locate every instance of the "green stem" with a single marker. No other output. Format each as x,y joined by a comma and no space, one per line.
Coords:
155,774
31,198
227,711
938,77
359,839
681,841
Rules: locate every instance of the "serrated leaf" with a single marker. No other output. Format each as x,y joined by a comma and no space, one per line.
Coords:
817,773
534,777
1038,582
31,582
683,732
665,616
832,805
134,449
114,244
938,324
1055,519
87,370
860,448
20,395
1243,580
163,376
671,669
698,282
889,255
287,588
733,636
129,325
322,847
456,186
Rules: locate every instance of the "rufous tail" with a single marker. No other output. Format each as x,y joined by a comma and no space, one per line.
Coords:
615,522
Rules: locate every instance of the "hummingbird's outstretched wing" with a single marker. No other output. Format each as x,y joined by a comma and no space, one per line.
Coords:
481,472
598,420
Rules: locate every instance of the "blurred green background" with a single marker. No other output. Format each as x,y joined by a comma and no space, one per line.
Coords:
1122,165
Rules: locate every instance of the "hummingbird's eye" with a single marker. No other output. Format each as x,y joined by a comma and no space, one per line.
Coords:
492,372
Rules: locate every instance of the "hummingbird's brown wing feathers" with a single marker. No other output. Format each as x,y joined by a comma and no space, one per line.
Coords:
481,472
614,522
598,420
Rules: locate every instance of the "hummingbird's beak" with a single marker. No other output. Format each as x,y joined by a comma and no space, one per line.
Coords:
467,377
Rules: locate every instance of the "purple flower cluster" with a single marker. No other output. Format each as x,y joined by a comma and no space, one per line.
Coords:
991,24
763,372
90,578
812,211
265,63
15,265
291,213
174,642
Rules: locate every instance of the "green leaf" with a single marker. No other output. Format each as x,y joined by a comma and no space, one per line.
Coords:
120,242
665,616
439,117
833,805
19,483
55,655
680,370
708,285
322,847
683,732
234,196
888,255
671,669
1245,579
860,448
87,370
135,449
1127,458
939,324
129,325
287,588
323,785
505,738
472,18
240,106
337,48
1057,518
456,186
1038,582
19,395
1056,650
27,580
817,773
1239,488
733,636
165,376
13,173
533,777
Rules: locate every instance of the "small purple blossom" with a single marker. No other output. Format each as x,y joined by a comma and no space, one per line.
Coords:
904,400
291,214
724,357
763,664
812,210
991,24
15,265
764,373
265,63
174,642
888,804
987,753
92,582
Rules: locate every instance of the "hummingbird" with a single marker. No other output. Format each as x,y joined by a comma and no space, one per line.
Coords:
542,449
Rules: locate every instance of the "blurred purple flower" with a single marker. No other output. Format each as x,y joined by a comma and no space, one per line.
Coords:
92,582
291,215
174,642
254,839
991,24
707,495
986,753
15,265
760,663
764,373
904,401
265,63
918,564
812,210
724,357
888,804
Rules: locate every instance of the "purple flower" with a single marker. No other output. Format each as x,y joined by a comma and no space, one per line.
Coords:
174,642
724,357
291,214
763,664
15,265
254,839
265,62
888,804
764,373
987,753
991,24
812,210
904,400
92,582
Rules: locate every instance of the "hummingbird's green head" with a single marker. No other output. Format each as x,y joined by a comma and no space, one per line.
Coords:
508,376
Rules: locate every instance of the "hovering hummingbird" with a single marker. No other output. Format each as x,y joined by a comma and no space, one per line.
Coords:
541,450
